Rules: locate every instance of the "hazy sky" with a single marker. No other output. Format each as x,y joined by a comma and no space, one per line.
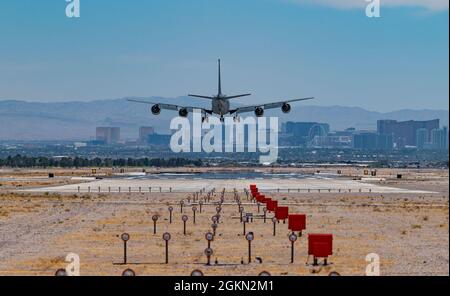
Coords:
272,48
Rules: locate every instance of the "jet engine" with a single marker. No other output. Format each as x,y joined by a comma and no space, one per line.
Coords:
183,112
156,109
259,112
286,108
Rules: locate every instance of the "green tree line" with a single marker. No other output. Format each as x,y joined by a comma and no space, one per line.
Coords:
20,161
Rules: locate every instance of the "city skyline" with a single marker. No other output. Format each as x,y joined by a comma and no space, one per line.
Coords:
389,135
283,49
57,121
312,134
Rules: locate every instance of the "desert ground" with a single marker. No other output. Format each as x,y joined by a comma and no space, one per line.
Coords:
405,221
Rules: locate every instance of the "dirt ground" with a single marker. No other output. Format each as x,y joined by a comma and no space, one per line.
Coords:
409,231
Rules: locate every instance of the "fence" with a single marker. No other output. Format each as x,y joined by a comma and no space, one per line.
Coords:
129,189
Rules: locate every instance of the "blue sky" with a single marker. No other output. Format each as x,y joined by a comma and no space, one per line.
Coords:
272,48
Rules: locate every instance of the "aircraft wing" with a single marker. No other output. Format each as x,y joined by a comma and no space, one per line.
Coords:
165,106
266,106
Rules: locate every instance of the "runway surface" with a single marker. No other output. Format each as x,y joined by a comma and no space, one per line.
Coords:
180,184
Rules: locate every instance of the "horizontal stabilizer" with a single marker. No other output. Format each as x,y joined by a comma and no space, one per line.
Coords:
203,97
238,96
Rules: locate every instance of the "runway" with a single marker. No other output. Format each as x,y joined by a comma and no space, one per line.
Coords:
305,185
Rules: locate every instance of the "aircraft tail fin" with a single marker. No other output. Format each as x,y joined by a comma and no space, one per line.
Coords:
220,82
219,89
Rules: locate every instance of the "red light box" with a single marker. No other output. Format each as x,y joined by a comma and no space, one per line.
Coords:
262,199
265,199
320,245
272,205
282,213
297,222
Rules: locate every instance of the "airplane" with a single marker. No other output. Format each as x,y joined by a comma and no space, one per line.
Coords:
220,105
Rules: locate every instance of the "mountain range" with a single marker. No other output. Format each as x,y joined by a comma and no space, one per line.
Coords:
22,120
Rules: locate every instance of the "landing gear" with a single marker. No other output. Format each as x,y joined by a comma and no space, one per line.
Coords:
205,119
237,119
222,119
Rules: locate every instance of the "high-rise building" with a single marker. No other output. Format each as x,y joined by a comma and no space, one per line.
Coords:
145,132
446,138
405,132
385,142
108,135
439,138
365,141
422,138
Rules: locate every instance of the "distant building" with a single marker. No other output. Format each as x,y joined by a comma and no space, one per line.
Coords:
439,139
422,138
145,132
107,135
303,132
159,140
365,141
346,133
372,141
405,132
385,142
332,141
80,144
